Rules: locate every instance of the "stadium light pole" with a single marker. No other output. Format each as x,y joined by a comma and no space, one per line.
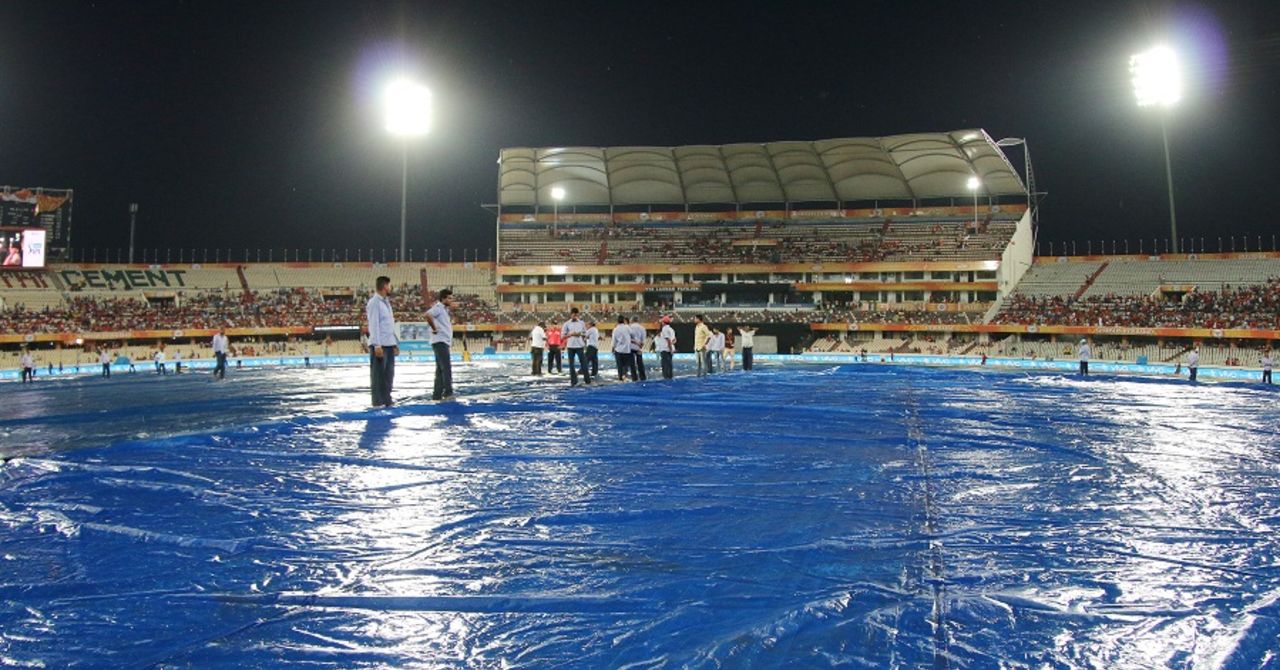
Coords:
557,194
408,115
974,184
1157,82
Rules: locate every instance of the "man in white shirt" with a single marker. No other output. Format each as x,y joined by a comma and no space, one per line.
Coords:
158,357
637,349
1193,362
177,362
701,338
441,340
727,356
665,345
1267,363
306,355
220,354
593,348
105,360
747,335
1083,354
538,342
715,350
28,367
574,335
383,343
622,348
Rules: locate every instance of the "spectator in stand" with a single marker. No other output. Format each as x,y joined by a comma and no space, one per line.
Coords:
383,343
441,340
622,356
554,340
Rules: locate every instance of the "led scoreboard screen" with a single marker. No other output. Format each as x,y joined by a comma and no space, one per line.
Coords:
22,248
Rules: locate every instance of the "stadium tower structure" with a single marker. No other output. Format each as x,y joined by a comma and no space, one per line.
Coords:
872,223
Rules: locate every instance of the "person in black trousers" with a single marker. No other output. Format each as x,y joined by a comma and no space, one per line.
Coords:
747,335
441,339
593,348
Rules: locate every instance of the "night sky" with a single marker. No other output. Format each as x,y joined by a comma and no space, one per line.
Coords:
255,124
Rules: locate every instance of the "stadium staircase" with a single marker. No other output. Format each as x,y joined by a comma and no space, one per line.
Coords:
424,284
244,283
1088,281
1177,356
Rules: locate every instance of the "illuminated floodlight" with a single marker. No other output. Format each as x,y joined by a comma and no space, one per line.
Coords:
557,193
408,108
1157,77
974,183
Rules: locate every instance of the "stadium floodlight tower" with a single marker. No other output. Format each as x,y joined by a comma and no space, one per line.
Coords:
557,194
1157,82
974,184
408,115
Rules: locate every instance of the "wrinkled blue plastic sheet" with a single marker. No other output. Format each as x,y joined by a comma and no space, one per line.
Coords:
798,516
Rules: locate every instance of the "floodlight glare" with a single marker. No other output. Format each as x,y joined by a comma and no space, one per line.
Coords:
408,108
974,183
557,193
1157,77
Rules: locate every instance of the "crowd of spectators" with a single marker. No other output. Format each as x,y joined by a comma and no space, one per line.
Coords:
231,309
777,242
1251,307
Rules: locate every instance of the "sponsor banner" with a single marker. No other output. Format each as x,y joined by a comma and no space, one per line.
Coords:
123,278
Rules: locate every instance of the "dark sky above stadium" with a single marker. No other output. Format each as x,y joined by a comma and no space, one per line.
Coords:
255,124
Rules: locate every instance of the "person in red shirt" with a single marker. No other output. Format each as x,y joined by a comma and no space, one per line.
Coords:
554,340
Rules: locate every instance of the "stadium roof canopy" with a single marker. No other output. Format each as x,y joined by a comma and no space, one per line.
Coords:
899,167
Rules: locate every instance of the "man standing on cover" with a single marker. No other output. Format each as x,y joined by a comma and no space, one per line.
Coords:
1267,362
28,367
441,340
701,337
593,348
554,340
383,343
665,344
622,348
1083,354
637,349
159,359
747,334
220,354
727,359
105,359
1193,362
537,342
574,336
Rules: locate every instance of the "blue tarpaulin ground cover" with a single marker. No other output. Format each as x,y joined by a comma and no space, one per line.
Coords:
797,516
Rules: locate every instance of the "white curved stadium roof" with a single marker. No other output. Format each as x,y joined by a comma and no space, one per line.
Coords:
899,167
